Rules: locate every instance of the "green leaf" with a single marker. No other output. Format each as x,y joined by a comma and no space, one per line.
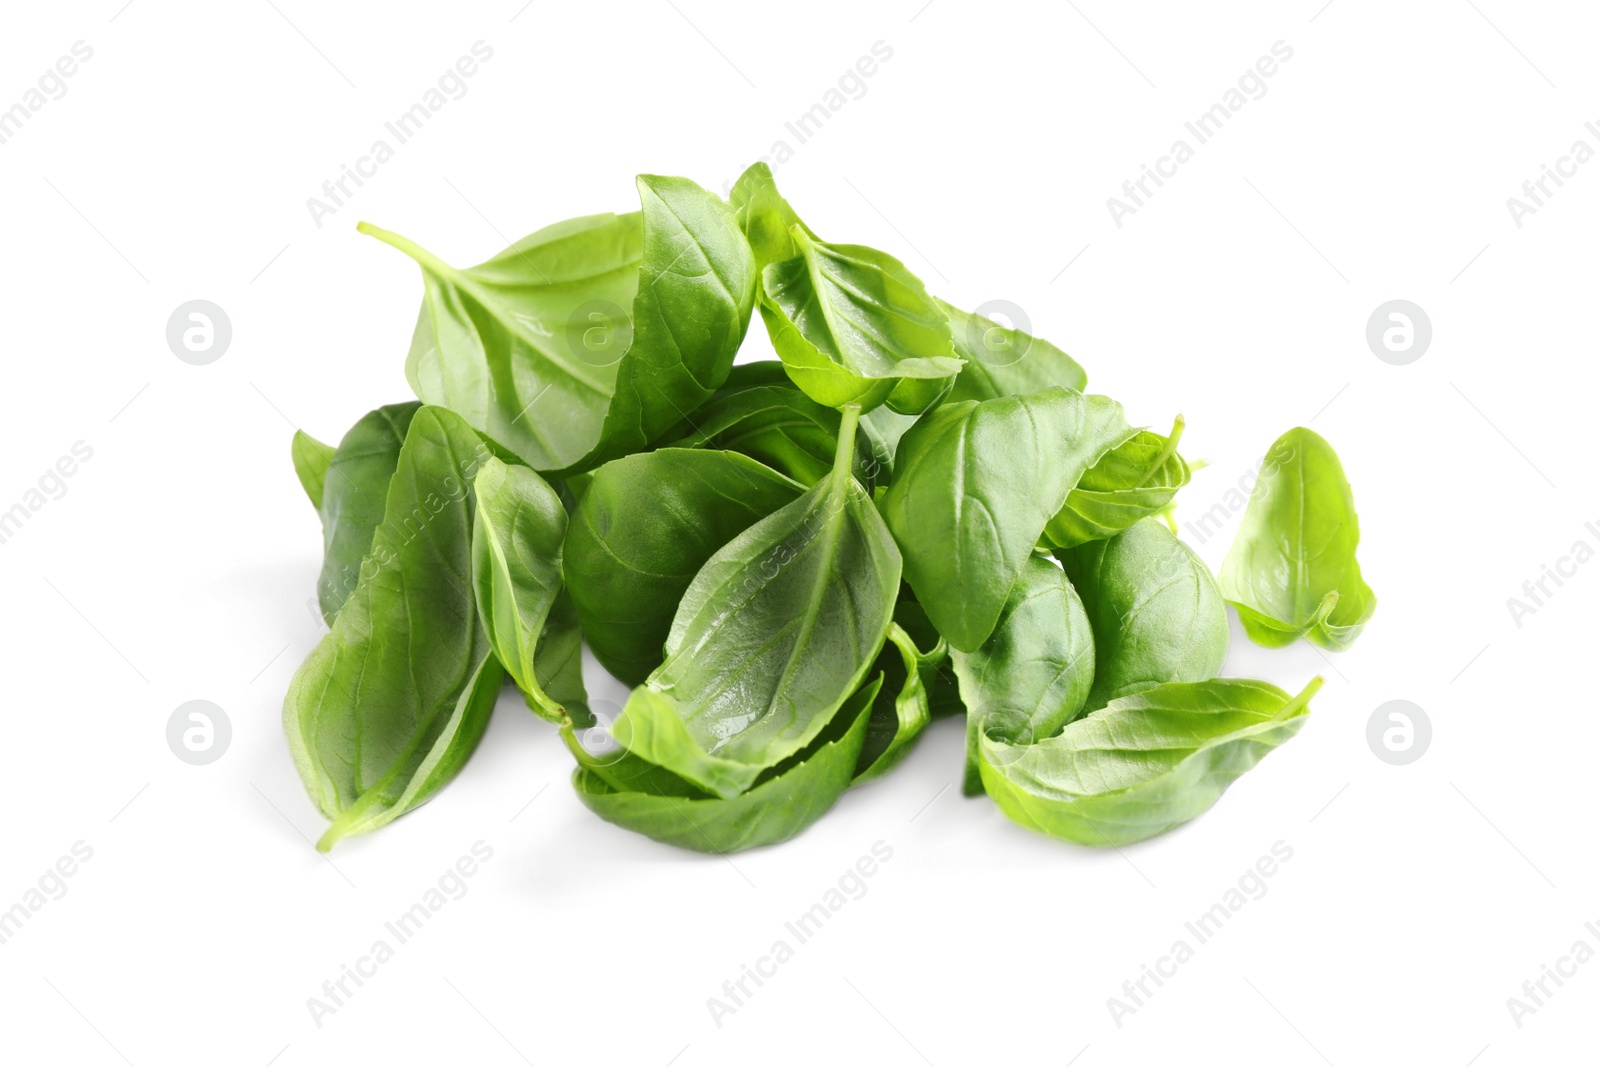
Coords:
392,701
1002,361
975,483
1034,673
1155,610
1292,570
516,570
1145,763
558,661
851,324
587,339
901,710
776,425
1135,480
776,630
782,803
643,530
311,458
355,490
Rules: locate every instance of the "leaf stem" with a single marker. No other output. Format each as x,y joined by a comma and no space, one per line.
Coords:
423,257
844,450
1166,453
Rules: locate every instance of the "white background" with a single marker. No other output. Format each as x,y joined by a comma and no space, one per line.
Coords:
179,563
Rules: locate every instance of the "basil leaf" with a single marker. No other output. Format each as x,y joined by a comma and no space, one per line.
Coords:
1155,610
784,802
776,630
776,425
1145,763
851,324
391,702
642,531
1034,673
544,322
901,710
311,459
355,490
1135,480
1292,570
1002,361
975,484
558,661
517,534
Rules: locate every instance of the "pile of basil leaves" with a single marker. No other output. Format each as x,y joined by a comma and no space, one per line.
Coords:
796,564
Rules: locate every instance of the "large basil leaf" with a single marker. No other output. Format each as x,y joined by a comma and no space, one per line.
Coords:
1034,673
1003,361
1135,480
1145,763
1156,612
901,710
975,483
1292,570
775,631
391,702
783,802
644,527
538,348
516,571
354,491
851,324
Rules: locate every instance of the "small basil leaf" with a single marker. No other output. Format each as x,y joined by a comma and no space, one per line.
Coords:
775,631
642,531
1135,480
787,800
1034,673
391,702
1002,361
1145,763
355,490
901,710
516,570
614,325
1292,570
851,324
975,484
1155,610
311,458
776,425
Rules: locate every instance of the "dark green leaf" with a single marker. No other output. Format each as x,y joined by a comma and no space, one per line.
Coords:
901,711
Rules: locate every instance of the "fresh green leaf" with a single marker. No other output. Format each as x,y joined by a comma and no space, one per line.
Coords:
851,323
975,484
1003,361
776,425
558,661
1135,480
642,531
901,710
1033,675
1145,763
355,490
1292,570
587,339
392,701
1155,610
311,459
517,534
776,630
785,801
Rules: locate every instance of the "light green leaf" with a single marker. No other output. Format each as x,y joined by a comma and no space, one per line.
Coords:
1145,763
1292,571
311,458
516,570
1034,673
1135,480
587,339
901,710
1003,361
